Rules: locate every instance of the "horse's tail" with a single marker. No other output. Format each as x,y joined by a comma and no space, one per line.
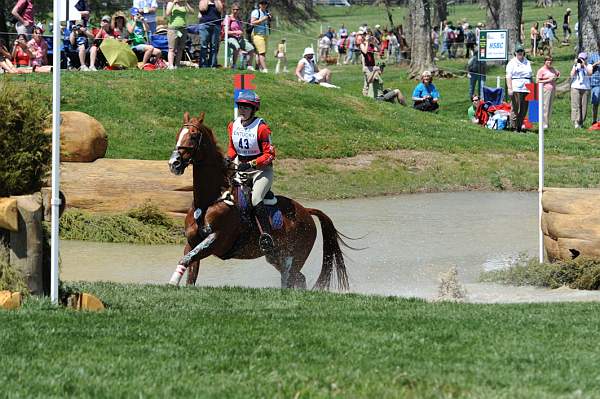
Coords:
332,254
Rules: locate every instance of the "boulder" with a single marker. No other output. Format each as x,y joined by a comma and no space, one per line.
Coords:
83,138
571,223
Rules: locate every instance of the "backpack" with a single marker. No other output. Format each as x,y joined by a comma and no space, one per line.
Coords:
471,37
451,35
249,26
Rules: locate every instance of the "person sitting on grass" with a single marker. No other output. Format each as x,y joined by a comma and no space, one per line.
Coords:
376,90
5,64
425,96
21,55
307,71
39,48
473,109
138,30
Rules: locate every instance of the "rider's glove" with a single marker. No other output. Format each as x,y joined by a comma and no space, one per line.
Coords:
226,161
243,166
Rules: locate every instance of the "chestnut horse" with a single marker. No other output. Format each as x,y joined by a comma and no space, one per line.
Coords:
216,226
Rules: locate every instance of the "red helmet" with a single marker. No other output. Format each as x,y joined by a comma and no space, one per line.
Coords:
249,97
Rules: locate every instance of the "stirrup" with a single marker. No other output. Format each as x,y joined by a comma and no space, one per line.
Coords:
265,242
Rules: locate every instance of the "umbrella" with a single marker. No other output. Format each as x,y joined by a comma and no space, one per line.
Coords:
118,53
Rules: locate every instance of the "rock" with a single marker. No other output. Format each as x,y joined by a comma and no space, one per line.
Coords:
83,138
8,214
571,223
85,301
10,300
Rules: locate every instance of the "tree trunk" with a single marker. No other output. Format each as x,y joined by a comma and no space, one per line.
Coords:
492,8
420,39
589,25
511,12
439,12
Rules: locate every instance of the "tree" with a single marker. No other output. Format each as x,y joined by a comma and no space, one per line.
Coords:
440,12
589,25
492,10
511,12
420,38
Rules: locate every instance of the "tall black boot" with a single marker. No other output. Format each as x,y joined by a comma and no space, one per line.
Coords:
265,242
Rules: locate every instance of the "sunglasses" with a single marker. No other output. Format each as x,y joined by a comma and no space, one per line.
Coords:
245,106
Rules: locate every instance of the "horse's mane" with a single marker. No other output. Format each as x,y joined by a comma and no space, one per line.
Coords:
209,136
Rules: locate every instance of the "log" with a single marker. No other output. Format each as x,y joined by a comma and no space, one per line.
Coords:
117,185
26,244
8,214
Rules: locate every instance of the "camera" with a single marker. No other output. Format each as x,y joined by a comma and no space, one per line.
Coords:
579,61
381,65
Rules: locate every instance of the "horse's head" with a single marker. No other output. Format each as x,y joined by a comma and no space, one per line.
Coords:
189,140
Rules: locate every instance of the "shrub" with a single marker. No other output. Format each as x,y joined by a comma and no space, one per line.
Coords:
10,279
25,150
581,273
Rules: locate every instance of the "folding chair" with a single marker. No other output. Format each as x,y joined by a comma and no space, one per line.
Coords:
495,95
160,42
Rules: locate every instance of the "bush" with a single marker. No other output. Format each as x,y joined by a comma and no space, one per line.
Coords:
25,150
581,273
10,279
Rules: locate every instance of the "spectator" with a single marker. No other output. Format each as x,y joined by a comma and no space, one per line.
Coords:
236,41
148,9
470,41
567,26
594,61
471,112
447,32
435,40
21,55
177,33
79,39
425,96
477,72
260,19
5,64
535,37
210,32
547,75
553,25
330,33
343,31
324,43
518,74
547,39
342,46
393,47
580,89
23,13
139,31
281,56
377,91
377,33
368,48
307,70
119,26
358,40
104,32
39,48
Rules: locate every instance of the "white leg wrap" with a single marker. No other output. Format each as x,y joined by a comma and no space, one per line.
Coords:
177,275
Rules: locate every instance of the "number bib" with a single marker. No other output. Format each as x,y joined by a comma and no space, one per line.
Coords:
245,138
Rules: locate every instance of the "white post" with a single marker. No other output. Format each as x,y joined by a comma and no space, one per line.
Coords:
497,81
540,167
225,62
55,195
534,46
316,52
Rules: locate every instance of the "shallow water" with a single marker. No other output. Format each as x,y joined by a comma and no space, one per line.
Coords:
410,240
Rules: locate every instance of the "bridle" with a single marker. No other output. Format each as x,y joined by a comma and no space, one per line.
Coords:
195,139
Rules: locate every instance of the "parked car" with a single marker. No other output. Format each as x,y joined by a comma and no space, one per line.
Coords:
339,3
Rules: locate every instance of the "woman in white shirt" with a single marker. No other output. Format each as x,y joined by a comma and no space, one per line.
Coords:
580,89
307,71
518,74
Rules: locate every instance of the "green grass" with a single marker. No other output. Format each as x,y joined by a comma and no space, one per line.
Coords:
156,341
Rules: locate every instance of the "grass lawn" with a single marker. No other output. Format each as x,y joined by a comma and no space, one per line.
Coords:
142,112
231,342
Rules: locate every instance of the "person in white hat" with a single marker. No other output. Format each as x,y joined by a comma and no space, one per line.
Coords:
307,70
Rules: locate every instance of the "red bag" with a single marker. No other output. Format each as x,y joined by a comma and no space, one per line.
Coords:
595,126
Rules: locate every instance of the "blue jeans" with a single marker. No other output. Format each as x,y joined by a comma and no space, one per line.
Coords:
473,82
210,37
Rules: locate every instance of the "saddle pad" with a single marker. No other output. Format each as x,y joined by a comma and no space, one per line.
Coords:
276,217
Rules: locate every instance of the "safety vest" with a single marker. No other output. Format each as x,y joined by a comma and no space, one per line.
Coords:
245,138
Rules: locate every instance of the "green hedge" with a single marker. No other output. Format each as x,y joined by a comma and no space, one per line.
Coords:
25,150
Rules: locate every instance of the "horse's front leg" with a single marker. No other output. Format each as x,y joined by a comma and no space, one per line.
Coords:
193,268
200,251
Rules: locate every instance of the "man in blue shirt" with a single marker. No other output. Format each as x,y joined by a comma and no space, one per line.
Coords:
425,96
594,61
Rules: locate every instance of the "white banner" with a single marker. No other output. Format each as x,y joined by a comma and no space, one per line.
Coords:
74,15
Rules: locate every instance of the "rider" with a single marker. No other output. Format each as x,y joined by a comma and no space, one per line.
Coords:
251,150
